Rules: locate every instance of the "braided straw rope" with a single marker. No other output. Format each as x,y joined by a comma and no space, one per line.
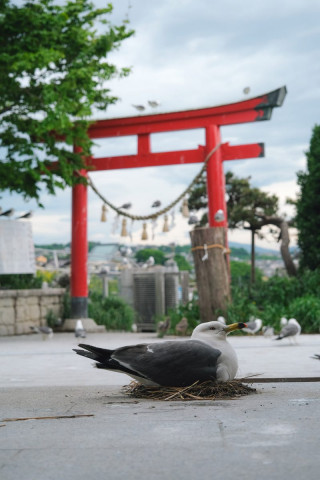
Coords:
163,210
213,245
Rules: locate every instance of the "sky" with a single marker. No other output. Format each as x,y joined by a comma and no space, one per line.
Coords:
185,55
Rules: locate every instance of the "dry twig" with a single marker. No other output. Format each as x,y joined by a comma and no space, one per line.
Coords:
196,391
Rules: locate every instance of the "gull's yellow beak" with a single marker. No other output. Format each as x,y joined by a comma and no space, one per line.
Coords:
235,326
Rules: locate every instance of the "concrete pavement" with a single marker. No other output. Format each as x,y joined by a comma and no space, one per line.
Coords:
273,434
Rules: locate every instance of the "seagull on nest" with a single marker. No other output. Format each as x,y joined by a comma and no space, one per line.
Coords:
206,356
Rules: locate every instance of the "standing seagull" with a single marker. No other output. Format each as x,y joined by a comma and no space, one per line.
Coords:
290,331
206,356
283,321
79,330
46,332
254,326
221,319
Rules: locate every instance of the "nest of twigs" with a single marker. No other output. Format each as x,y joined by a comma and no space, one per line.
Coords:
197,391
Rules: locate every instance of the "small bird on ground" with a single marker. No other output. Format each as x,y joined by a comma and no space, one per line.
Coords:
79,330
163,327
205,356
316,356
253,326
156,204
182,326
291,330
268,331
46,332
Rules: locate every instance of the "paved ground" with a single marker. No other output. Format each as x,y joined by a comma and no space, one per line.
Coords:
273,434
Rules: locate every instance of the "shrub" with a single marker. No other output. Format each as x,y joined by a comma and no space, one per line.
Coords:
20,281
306,310
143,255
113,312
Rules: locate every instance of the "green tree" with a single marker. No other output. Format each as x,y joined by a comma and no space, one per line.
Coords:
307,205
248,208
53,73
143,255
182,262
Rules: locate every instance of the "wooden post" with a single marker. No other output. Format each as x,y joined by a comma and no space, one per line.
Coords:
209,254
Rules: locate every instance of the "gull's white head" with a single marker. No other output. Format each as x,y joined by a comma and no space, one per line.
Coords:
215,330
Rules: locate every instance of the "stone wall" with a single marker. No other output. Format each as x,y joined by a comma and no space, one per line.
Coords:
21,309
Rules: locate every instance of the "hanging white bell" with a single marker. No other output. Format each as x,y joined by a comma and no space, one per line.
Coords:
166,224
144,235
124,232
104,213
185,208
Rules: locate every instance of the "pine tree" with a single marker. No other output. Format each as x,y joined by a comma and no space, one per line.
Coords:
308,217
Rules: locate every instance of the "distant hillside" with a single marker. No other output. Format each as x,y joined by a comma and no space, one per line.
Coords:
259,250
240,250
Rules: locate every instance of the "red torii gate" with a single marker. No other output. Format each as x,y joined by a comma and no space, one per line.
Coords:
211,119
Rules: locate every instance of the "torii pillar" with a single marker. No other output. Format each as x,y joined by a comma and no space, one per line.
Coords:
210,244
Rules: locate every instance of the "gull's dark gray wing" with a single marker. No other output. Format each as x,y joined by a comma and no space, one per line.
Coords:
170,363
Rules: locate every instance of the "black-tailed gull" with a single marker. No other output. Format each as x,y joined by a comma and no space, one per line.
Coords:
290,331
253,326
205,356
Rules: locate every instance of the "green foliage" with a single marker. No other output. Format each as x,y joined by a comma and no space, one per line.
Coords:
53,75
246,203
46,276
240,253
52,319
296,297
96,285
113,312
66,305
241,272
142,255
306,310
20,281
182,263
307,205
190,311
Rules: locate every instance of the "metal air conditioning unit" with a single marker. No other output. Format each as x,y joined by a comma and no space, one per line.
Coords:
150,293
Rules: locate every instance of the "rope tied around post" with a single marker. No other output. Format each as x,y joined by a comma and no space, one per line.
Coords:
206,247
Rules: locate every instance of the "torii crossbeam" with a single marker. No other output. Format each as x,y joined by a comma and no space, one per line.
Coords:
211,119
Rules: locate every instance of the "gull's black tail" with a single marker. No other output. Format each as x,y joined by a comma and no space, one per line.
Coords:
100,355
